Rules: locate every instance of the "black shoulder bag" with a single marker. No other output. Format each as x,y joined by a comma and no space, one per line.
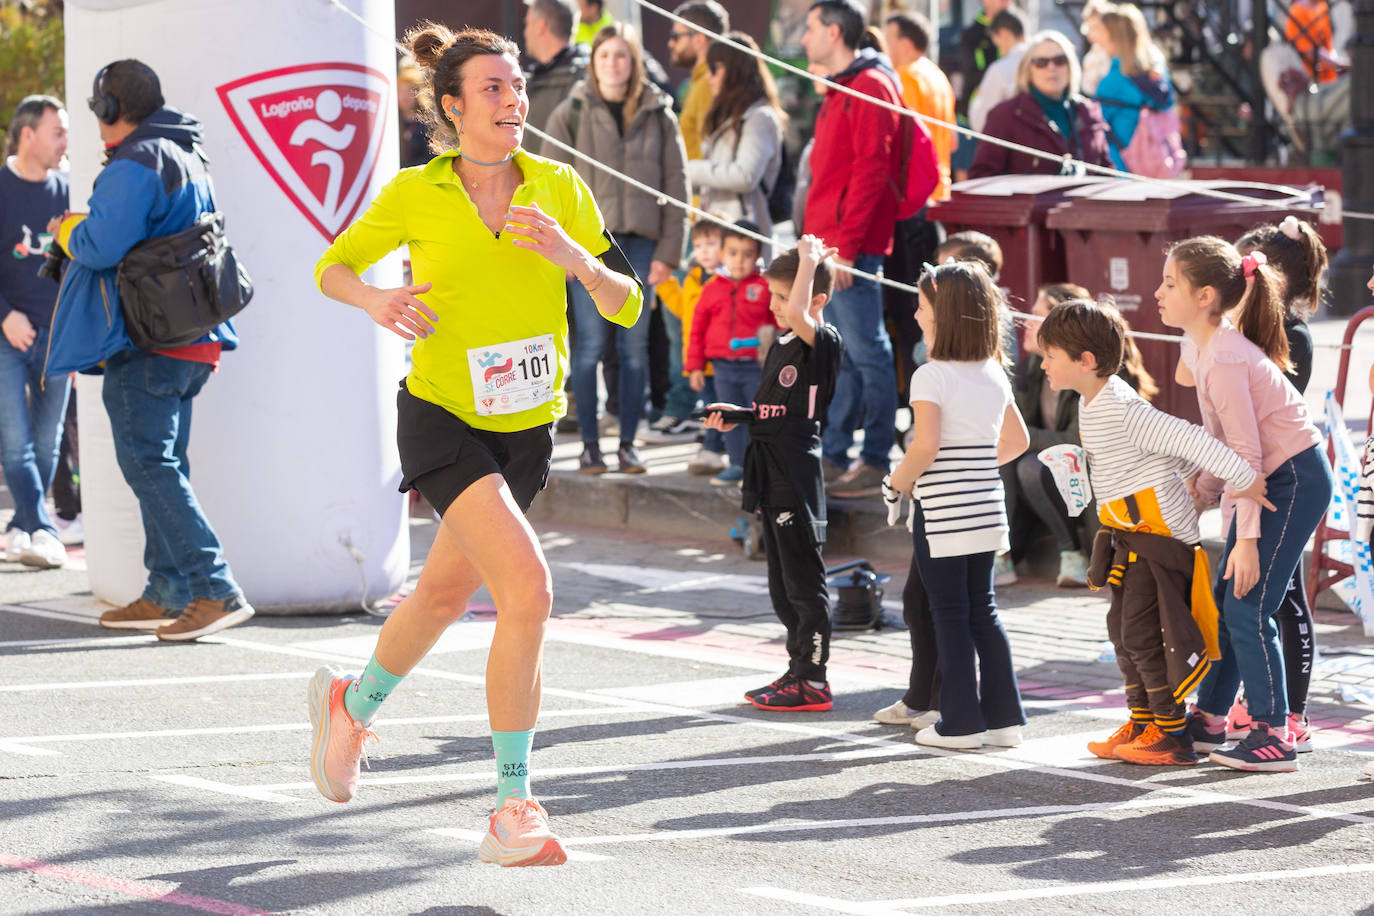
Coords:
177,288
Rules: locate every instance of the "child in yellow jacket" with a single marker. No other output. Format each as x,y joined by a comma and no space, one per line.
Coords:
679,296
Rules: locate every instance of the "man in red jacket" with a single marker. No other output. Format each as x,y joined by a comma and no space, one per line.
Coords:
852,206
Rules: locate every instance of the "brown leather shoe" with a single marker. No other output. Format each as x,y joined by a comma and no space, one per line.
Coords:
205,616
140,615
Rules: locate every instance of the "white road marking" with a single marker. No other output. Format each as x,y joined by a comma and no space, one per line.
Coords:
279,727
1027,760
876,907
155,681
50,615
851,823
78,641
195,782
710,763
476,836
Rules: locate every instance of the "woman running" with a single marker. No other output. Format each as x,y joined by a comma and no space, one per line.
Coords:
492,232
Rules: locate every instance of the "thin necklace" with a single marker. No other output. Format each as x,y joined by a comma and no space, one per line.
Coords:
464,156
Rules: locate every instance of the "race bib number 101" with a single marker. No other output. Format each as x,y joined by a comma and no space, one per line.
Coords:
512,377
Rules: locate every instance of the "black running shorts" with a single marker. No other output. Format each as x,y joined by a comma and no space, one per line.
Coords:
441,456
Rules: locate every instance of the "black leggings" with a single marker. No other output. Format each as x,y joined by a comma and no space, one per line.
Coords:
923,692
1298,639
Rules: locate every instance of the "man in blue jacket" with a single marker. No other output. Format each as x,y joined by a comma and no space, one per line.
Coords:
154,184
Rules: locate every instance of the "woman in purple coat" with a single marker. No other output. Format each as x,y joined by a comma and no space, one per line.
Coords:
1048,114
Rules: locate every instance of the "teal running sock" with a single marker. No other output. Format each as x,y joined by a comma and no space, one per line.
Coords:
512,764
366,694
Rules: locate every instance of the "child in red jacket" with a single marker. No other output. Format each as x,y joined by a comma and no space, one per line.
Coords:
731,309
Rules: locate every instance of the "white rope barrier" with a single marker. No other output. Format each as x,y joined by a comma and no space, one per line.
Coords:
1066,160
664,199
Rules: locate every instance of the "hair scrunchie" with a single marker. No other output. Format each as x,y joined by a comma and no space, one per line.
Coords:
1252,262
1289,227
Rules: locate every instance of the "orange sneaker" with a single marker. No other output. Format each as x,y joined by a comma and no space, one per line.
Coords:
338,739
519,834
1156,747
1123,735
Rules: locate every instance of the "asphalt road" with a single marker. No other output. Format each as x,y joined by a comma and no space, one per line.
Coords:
137,777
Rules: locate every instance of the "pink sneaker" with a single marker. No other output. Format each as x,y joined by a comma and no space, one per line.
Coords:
519,835
1238,721
338,739
1299,733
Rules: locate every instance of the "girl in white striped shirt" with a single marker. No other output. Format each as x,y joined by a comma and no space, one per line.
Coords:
966,425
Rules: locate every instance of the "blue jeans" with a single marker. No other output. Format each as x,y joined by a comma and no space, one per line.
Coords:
32,409
969,639
1300,490
866,390
715,440
737,381
148,398
681,398
631,343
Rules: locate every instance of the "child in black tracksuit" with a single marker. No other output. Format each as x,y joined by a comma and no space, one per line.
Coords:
782,470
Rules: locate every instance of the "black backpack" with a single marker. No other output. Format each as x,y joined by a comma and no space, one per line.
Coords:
175,289
784,187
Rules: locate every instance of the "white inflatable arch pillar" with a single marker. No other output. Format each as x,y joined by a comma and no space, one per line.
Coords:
292,451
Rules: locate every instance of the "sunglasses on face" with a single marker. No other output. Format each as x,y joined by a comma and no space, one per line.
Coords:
1040,63
678,36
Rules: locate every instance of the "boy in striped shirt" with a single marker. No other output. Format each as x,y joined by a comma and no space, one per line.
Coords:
1162,621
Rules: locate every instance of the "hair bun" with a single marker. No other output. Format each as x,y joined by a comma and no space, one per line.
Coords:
428,41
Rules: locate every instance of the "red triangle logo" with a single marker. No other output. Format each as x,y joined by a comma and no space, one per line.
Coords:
317,130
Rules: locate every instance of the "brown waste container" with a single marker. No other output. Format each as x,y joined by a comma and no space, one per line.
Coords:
1116,233
1012,209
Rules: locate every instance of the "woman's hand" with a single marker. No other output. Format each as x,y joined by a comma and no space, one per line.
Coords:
1242,566
400,312
658,273
697,379
533,229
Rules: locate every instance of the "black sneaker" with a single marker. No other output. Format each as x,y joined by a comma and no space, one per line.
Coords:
1206,736
1260,751
796,695
590,461
750,694
630,462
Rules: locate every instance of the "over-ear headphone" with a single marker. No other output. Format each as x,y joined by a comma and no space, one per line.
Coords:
103,105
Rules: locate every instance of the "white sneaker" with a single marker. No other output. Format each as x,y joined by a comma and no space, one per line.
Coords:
45,551
1003,570
706,463
926,719
1003,737
931,738
16,542
72,533
897,714
1073,570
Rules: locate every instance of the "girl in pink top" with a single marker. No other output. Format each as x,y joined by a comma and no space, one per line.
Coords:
1247,403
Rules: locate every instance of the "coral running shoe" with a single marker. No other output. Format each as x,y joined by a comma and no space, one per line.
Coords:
797,695
759,691
1261,751
1238,721
518,834
1156,747
1299,733
338,739
1206,732
1123,735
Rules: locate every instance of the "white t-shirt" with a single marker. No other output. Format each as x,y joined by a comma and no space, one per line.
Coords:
961,492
